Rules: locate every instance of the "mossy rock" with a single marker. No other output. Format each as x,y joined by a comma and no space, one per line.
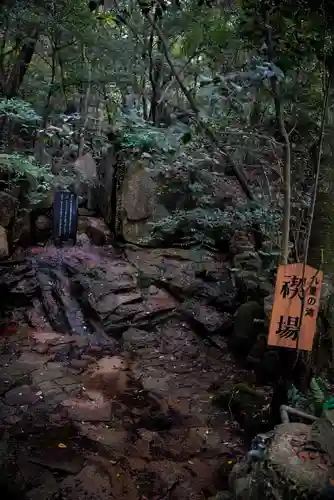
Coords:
247,326
283,474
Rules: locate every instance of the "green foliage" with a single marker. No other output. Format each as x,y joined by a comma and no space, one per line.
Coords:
19,110
311,402
137,134
209,226
21,167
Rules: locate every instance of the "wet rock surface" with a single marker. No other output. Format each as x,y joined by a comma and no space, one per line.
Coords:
105,386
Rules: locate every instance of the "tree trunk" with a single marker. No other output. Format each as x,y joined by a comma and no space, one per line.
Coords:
237,171
20,67
320,240
279,111
322,234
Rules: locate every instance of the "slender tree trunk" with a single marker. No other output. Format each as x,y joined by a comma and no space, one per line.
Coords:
320,241
86,103
51,85
238,172
20,67
276,91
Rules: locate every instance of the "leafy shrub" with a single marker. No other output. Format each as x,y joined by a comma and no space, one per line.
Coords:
21,167
19,110
211,226
139,135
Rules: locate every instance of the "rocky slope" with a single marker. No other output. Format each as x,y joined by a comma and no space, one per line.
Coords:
106,390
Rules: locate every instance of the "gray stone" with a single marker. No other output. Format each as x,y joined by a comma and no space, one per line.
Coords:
135,339
90,484
203,315
58,459
8,208
24,395
246,327
93,407
46,491
249,261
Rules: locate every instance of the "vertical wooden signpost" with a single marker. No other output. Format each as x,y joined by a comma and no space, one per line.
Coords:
65,217
296,306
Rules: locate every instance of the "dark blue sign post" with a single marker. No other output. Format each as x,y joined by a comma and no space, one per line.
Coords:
65,217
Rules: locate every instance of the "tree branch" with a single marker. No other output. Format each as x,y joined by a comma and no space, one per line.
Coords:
239,174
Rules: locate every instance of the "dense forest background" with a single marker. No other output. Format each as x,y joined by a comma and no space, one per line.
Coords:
240,90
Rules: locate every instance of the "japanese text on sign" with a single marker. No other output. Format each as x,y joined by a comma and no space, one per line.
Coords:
65,216
296,305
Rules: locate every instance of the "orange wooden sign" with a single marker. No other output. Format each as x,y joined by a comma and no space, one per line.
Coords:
296,306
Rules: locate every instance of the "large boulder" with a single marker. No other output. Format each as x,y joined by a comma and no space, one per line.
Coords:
95,229
294,465
20,232
4,251
140,205
187,274
197,278
8,208
86,182
247,326
105,172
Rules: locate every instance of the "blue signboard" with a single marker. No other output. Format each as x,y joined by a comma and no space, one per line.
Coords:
65,217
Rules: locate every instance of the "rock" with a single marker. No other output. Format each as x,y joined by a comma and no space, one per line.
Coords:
184,273
246,327
105,305
268,305
204,316
222,495
46,491
21,229
91,407
32,360
51,338
96,230
86,212
105,171
117,440
8,208
86,178
43,223
80,364
247,284
249,261
56,458
286,471
24,395
135,339
89,484
242,241
265,287
109,375
156,301
140,206
4,252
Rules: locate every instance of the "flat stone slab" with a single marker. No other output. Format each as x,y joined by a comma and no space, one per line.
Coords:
24,395
91,407
89,484
58,459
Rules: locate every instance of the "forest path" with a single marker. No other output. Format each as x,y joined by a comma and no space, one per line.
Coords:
125,415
